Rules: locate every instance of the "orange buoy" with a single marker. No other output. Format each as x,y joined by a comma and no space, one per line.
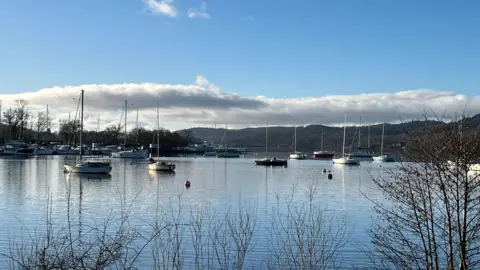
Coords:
187,183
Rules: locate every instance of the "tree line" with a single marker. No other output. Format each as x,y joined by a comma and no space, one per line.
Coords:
21,124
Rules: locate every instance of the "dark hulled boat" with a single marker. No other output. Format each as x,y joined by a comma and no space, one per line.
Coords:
271,162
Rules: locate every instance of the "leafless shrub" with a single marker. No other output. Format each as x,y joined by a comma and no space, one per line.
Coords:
306,236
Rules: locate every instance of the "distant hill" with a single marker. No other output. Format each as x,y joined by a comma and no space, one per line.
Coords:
280,138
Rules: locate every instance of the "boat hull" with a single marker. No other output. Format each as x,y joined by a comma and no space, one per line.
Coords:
324,155
161,167
383,159
271,162
86,169
346,161
298,156
131,154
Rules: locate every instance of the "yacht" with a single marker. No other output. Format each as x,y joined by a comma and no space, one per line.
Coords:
64,150
382,157
323,154
296,154
159,165
134,154
270,161
18,148
90,166
42,150
346,159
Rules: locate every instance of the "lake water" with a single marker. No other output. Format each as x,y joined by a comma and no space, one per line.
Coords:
26,185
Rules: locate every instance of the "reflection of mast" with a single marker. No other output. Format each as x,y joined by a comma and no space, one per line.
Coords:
80,210
343,187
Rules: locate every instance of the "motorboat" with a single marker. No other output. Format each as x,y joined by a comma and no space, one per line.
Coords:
160,165
384,158
323,154
298,155
133,154
271,162
65,150
42,150
18,148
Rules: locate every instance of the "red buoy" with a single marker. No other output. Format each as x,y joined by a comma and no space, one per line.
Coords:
187,183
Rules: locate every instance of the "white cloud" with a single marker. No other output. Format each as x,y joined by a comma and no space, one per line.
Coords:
200,13
164,7
203,104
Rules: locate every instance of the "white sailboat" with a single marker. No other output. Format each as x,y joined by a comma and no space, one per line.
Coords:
133,154
382,157
90,166
346,160
295,154
160,165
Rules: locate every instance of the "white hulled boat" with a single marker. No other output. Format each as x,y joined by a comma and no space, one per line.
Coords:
349,159
296,154
90,166
382,157
160,165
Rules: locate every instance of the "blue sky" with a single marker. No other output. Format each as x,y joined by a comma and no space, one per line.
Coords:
290,49
277,49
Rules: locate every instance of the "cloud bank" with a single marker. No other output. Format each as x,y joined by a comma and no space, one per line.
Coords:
202,103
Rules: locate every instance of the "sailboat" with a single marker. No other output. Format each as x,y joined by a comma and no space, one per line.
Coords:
159,165
225,153
295,154
382,157
323,153
346,160
135,153
362,153
92,166
270,161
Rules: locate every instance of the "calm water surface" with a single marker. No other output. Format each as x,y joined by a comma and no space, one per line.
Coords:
25,185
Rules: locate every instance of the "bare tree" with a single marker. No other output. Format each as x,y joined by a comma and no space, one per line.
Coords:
41,124
10,118
22,115
430,216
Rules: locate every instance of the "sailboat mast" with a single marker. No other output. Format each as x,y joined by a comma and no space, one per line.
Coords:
48,120
158,132
381,146
321,142
344,134
266,140
125,131
226,130
359,129
81,129
136,139
368,137
295,138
